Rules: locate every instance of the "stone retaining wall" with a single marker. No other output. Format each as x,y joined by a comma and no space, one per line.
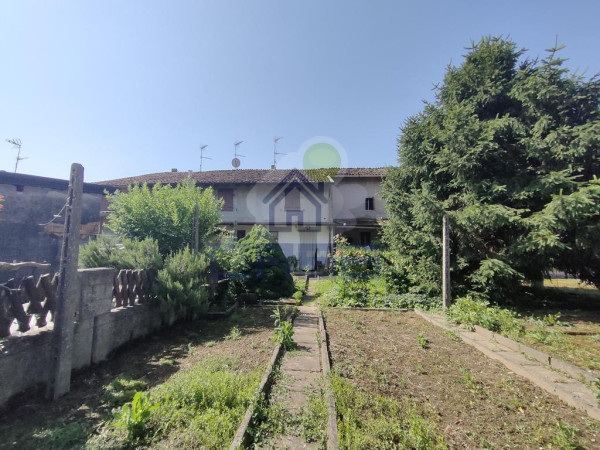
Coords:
99,329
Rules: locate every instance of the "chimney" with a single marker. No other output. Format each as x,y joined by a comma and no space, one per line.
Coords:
174,170
273,167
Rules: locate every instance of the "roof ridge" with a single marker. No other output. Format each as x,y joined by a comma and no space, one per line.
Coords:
224,176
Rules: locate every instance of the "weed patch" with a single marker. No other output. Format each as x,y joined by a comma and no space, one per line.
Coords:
284,331
376,421
68,436
469,312
200,407
422,340
121,390
234,334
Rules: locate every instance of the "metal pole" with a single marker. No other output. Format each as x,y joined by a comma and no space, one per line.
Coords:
67,289
446,296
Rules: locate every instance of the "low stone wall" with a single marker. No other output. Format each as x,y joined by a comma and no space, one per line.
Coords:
99,329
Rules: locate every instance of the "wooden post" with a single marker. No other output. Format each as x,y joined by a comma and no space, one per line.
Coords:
195,231
68,289
447,298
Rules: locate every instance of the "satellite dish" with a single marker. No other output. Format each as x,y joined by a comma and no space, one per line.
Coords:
235,162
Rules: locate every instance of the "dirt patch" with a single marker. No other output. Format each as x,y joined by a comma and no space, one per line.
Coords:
35,423
474,402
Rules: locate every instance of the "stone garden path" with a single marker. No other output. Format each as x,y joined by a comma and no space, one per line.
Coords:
300,373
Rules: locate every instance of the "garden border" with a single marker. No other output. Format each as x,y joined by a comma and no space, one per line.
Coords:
332,430
515,357
365,308
212,315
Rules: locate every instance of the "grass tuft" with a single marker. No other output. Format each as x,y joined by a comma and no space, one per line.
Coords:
121,390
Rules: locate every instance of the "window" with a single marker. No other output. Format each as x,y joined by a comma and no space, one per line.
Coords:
241,234
369,203
292,200
227,196
275,235
20,188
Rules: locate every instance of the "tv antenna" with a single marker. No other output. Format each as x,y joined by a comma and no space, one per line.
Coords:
17,144
235,162
275,152
202,157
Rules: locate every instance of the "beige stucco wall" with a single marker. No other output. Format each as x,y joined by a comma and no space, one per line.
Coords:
348,199
249,207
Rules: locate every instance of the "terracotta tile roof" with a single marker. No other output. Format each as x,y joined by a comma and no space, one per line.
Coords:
243,176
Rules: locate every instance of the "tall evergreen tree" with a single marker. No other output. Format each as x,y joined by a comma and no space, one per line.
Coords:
509,149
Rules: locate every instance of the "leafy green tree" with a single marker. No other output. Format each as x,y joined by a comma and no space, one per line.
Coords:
509,149
164,213
259,266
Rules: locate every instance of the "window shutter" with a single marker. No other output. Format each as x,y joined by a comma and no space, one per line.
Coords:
292,200
227,196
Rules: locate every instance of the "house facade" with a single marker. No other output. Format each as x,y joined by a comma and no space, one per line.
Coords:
303,213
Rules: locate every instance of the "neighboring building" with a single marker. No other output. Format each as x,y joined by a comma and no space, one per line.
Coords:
29,230
304,214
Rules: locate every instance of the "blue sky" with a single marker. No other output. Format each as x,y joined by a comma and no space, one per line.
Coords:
133,87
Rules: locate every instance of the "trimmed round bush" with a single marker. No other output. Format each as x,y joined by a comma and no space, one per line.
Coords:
259,266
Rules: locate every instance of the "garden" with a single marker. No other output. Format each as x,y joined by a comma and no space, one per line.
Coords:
400,382
185,387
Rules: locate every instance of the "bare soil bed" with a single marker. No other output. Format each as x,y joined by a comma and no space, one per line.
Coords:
466,399
68,423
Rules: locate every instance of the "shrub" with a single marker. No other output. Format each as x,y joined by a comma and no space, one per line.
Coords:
106,251
393,272
180,286
353,264
408,300
469,312
136,254
259,266
354,267
97,253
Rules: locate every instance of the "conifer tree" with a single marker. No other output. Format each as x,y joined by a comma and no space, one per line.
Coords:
510,150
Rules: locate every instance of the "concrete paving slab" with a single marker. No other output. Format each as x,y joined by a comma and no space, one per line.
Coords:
301,364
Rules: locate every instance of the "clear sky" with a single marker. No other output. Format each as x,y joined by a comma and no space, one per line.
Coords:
131,87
